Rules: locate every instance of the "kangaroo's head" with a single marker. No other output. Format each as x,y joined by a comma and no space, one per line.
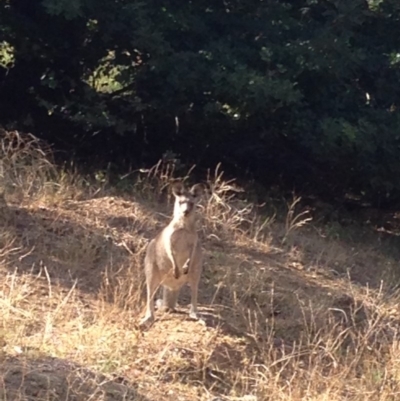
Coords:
186,199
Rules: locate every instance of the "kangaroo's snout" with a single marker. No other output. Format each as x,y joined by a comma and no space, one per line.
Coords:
187,207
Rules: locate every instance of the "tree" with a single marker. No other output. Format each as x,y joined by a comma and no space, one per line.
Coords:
302,91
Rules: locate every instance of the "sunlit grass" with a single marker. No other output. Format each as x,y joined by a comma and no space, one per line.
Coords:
309,317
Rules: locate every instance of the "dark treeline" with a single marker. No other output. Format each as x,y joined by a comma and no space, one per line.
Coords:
301,92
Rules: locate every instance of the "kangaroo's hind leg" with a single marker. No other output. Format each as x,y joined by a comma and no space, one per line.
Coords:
152,283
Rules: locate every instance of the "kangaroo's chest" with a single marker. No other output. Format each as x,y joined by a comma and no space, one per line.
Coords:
182,241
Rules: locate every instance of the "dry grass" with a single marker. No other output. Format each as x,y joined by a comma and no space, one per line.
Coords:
292,311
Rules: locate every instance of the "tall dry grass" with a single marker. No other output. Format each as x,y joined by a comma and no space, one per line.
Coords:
289,314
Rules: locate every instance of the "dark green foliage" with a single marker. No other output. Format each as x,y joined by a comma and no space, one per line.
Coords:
303,93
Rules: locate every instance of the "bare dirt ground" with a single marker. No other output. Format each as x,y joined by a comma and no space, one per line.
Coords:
291,309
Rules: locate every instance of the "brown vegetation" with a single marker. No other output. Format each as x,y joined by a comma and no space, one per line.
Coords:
294,310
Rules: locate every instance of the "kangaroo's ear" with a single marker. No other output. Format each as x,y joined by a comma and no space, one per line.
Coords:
197,190
178,189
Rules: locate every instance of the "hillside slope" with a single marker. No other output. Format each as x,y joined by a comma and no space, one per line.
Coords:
291,309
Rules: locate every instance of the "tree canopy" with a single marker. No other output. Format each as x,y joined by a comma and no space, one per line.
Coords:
303,92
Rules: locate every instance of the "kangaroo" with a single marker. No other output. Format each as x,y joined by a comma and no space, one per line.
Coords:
174,257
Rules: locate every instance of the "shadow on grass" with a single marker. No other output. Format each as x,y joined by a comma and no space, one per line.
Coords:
242,284
250,299
46,378
69,249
